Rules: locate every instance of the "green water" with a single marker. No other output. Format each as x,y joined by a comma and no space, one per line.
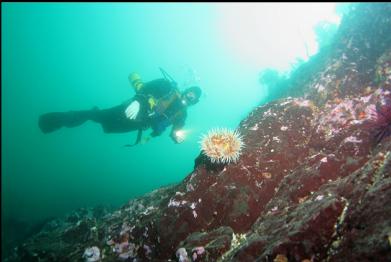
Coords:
60,57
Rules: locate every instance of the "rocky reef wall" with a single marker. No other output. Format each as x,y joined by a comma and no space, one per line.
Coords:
313,182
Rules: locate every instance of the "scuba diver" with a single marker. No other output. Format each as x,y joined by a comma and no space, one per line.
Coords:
157,104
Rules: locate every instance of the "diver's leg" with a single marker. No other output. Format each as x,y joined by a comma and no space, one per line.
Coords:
50,122
114,120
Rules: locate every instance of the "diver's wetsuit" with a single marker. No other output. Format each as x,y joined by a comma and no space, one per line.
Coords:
166,111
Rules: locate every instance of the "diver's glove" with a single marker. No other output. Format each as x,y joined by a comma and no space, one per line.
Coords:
132,110
178,136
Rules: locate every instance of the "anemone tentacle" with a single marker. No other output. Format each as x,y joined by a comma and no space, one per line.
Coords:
222,145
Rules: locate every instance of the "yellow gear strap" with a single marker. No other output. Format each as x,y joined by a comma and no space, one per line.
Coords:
152,102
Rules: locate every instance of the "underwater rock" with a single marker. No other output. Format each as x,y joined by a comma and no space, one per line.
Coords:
205,245
311,184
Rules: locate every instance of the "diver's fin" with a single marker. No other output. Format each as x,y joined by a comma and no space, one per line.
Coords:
50,122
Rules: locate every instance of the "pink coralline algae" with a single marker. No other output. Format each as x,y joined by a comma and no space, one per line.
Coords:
372,111
125,250
197,252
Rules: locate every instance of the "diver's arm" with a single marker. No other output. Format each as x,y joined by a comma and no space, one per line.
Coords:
157,132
